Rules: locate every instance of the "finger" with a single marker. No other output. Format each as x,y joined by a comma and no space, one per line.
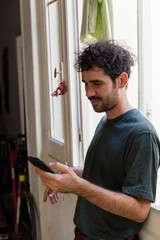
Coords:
45,176
46,194
56,197
38,171
59,166
51,199
51,193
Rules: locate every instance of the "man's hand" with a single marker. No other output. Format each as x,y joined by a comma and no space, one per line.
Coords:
65,182
53,196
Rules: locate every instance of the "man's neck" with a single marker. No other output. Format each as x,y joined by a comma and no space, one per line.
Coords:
121,108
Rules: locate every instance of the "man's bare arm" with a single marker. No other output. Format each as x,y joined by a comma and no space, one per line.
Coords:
118,203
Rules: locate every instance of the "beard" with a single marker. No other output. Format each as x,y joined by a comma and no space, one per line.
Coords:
108,103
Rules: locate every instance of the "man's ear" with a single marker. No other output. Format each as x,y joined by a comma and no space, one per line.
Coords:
122,80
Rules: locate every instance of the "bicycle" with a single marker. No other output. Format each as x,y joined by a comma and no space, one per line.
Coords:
15,159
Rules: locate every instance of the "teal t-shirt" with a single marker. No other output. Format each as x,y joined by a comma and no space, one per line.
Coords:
123,156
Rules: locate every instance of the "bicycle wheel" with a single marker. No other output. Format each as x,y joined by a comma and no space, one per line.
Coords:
27,221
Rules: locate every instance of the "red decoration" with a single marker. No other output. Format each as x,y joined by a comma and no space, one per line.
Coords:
61,89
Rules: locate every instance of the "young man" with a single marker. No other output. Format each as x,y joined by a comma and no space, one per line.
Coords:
118,182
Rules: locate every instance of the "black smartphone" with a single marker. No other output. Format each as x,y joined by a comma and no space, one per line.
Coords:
39,163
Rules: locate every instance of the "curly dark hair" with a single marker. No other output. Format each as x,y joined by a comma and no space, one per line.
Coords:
107,55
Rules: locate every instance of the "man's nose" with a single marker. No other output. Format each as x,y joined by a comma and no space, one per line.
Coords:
90,91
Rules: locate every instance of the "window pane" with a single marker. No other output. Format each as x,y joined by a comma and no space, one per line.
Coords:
55,52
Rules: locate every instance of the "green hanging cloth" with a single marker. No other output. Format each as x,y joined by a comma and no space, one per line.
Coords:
97,21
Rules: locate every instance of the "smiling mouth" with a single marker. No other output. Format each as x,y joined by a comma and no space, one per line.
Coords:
94,100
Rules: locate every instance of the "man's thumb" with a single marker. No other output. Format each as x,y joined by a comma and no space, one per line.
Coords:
59,166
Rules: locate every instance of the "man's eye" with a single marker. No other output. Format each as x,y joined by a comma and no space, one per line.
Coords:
97,84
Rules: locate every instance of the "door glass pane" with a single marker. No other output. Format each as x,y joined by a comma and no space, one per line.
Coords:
55,52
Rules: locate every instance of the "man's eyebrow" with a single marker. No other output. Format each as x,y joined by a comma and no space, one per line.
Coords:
94,81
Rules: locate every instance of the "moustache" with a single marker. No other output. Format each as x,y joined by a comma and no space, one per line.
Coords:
93,98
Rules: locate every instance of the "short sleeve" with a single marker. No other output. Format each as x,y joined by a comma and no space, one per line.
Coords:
141,166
